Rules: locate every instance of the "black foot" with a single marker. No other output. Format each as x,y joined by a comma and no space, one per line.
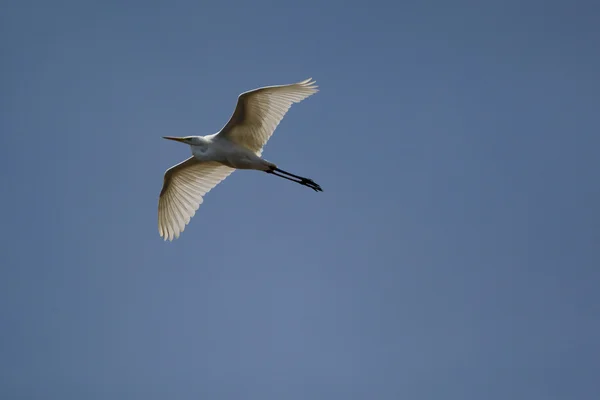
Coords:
311,184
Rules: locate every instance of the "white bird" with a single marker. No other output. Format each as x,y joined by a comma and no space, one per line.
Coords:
238,145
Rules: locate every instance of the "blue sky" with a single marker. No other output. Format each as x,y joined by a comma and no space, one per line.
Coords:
453,254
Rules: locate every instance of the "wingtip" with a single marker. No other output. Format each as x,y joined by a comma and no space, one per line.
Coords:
309,83
165,234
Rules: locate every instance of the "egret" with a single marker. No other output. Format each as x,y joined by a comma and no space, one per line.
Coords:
238,145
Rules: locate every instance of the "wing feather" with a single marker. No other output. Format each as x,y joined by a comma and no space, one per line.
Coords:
258,113
184,188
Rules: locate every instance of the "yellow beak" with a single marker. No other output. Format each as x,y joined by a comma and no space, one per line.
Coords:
177,139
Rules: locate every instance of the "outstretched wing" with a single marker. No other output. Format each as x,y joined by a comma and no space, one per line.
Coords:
184,187
259,111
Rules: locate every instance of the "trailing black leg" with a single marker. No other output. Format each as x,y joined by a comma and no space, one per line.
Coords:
303,179
295,178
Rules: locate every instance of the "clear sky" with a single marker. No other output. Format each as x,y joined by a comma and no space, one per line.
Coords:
453,254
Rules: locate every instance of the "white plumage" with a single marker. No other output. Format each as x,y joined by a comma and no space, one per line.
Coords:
259,111
238,145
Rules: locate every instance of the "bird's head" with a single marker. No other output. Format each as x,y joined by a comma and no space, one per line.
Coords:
191,140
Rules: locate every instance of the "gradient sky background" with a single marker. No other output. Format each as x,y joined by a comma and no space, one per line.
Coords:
453,255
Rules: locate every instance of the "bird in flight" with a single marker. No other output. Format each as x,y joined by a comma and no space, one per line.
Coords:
238,145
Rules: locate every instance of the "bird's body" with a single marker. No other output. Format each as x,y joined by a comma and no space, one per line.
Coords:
222,150
238,145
